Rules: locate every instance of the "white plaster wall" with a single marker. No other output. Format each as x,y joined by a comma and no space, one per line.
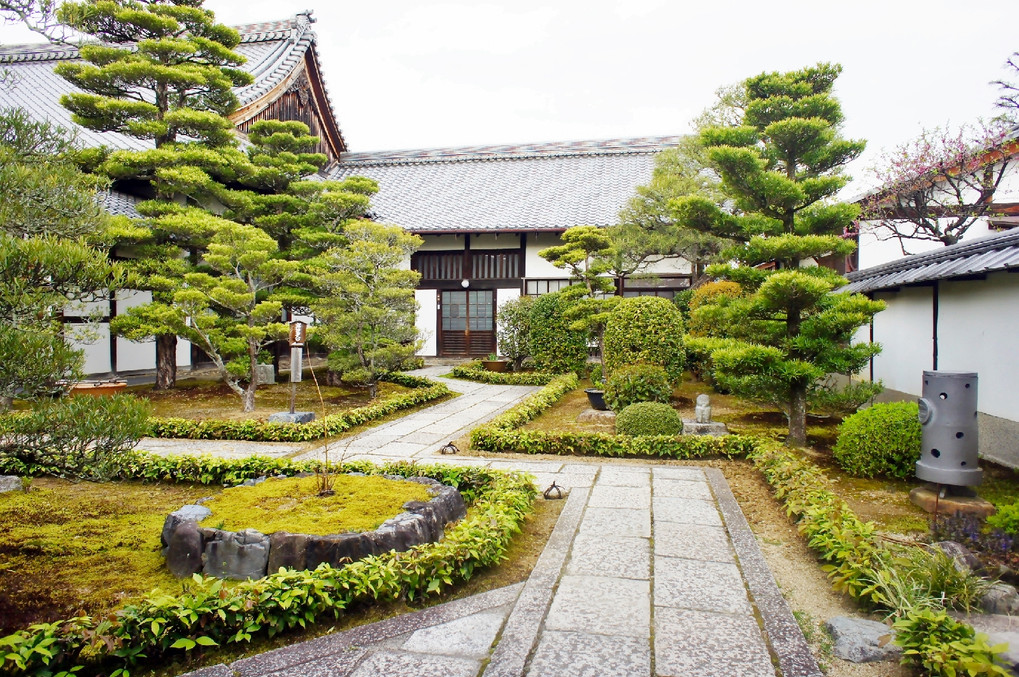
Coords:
183,354
495,241
904,330
426,319
978,326
671,266
441,243
132,355
534,265
94,339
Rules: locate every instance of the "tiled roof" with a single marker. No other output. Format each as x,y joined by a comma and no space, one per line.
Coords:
994,253
121,204
548,186
273,49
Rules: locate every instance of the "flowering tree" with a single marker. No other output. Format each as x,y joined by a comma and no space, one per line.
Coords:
1009,99
938,185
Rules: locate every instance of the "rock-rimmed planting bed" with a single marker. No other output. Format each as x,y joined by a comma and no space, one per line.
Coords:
190,548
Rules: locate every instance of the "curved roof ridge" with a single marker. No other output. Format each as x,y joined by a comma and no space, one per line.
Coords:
979,245
617,146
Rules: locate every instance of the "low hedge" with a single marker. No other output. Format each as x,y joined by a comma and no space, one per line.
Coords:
474,371
262,431
855,560
209,614
502,434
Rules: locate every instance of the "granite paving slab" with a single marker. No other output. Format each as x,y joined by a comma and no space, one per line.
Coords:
694,584
623,522
693,541
603,496
403,664
575,654
470,636
706,644
594,555
599,605
685,511
682,489
667,472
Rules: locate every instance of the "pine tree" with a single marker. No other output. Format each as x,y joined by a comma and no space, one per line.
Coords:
781,168
162,72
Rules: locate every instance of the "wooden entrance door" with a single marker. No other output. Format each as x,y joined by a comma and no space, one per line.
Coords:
467,323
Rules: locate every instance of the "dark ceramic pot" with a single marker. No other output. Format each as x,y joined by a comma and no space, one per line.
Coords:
596,397
495,365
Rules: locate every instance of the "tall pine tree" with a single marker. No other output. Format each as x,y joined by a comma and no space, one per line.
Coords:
163,72
781,168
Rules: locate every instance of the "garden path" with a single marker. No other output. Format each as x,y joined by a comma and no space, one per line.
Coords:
651,570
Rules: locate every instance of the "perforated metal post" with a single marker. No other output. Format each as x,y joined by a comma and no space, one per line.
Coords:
948,419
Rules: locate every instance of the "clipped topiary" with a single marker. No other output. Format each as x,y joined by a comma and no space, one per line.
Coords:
882,440
554,346
649,418
637,383
645,330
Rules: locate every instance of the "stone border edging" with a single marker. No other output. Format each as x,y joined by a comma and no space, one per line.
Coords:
189,548
781,630
520,633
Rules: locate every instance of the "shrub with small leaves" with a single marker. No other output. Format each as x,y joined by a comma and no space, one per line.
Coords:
882,440
945,647
1006,519
649,418
645,330
554,346
637,383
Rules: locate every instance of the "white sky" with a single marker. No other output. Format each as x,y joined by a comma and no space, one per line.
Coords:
422,74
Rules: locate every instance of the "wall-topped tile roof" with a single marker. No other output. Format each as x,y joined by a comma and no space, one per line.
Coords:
993,253
273,49
549,186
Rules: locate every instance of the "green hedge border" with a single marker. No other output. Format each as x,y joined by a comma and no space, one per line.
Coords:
502,434
253,430
210,615
475,371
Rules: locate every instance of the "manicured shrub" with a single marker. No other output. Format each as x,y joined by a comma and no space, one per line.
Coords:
1006,519
698,353
554,346
514,330
637,383
645,330
883,440
474,371
80,437
649,418
706,303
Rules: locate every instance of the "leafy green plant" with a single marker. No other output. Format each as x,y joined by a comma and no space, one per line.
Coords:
645,330
944,647
1006,519
79,437
514,330
637,383
882,440
474,371
556,347
649,418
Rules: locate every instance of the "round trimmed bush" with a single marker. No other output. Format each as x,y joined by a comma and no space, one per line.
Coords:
646,330
649,418
554,346
882,440
637,383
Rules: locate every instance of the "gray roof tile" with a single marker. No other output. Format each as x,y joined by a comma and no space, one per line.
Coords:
993,253
522,187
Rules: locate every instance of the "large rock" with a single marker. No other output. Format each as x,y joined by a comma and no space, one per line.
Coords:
237,555
296,417
597,417
1001,598
965,561
184,552
189,513
288,551
999,630
10,483
860,640
339,549
927,498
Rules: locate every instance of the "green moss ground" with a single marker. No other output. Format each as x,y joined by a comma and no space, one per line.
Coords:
69,547
293,504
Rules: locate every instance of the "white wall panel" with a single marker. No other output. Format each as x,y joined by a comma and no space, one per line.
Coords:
426,319
904,329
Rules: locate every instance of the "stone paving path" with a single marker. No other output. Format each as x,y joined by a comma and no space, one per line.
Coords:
651,570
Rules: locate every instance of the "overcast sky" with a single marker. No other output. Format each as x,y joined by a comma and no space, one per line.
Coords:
422,74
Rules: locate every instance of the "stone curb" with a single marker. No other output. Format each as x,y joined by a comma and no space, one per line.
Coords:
520,634
288,659
782,632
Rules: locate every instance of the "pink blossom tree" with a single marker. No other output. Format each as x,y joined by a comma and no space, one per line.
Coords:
938,185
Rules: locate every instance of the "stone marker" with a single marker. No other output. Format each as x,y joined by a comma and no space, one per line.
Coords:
702,412
184,552
265,374
860,640
10,483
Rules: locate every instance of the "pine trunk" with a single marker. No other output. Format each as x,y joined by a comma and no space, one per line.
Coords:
798,417
248,398
166,361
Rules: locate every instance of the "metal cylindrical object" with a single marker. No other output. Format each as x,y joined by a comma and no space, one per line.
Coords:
948,419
